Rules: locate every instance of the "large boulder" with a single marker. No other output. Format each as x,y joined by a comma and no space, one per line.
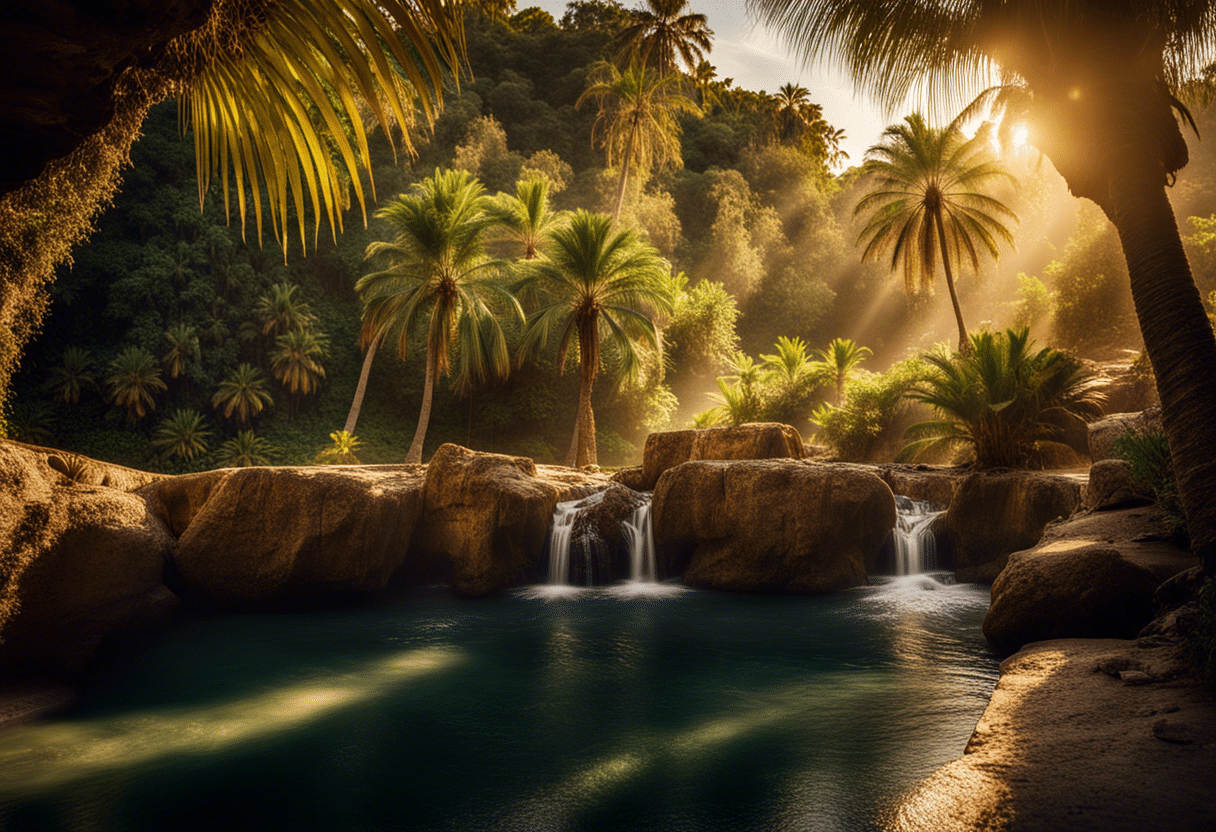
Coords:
78,564
1104,432
1092,576
758,440
995,513
770,526
486,517
269,537
933,484
1110,485
598,548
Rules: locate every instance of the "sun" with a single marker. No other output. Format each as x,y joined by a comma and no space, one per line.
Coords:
1020,138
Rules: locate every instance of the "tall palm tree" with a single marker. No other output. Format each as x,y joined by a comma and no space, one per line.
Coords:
794,112
243,450
839,359
638,123
525,216
440,279
243,392
661,31
704,78
182,434
72,377
593,274
296,361
134,381
1093,81
183,346
927,202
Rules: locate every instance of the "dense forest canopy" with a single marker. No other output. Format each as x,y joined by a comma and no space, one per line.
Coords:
248,355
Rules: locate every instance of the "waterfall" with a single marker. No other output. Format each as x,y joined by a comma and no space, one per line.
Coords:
915,551
639,537
564,515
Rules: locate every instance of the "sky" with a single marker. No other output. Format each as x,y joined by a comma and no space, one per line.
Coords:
756,59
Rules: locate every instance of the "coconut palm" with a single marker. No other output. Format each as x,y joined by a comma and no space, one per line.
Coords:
243,392
794,113
704,78
440,280
638,122
243,450
839,359
72,377
30,421
280,312
134,381
183,346
998,400
525,217
342,451
661,31
1092,80
182,434
296,361
927,201
593,275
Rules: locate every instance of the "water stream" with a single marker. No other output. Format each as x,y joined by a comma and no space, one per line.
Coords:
915,550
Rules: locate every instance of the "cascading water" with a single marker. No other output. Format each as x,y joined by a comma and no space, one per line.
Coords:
639,536
564,515
915,549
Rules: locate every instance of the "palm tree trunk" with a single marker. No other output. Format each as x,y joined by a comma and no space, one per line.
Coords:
424,416
964,343
571,460
620,191
356,405
587,452
1178,340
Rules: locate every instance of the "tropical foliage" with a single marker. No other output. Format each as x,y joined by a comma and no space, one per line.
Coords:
342,451
244,450
1001,400
182,434
242,393
662,31
72,377
134,381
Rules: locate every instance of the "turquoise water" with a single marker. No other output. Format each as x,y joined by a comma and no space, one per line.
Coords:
587,710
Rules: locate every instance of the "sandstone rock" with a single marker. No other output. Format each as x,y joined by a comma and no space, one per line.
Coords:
1110,486
486,516
1092,576
1061,747
266,537
770,526
632,478
77,565
1072,432
760,440
925,483
994,513
1104,432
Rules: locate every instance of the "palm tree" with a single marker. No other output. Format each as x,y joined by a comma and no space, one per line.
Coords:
637,124
593,274
927,202
440,279
183,346
243,392
342,451
794,112
704,78
134,380
839,359
790,381
30,421
525,217
70,379
280,312
739,398
1093,81
243,450
999,398
296,361
182,434
657,33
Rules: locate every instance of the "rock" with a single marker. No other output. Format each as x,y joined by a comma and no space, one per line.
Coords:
1134,678
1071,432
933,484
486,516
78,565
1110,486
1092,576
770,526
252,538
994,513
632,478
758,440
1060,747
597,541
1104,432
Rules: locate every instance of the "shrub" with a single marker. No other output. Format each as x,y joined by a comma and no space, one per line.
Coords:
1148,453
875,404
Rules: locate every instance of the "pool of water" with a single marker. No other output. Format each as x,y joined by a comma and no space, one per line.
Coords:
622,708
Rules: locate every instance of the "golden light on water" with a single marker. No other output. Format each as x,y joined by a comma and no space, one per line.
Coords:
51,755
